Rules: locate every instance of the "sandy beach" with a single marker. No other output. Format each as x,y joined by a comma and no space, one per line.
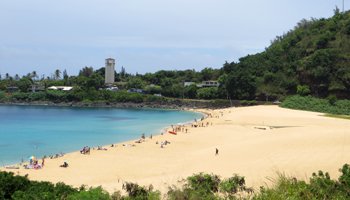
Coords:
255,142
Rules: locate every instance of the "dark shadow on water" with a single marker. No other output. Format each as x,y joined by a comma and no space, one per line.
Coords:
111,118
5,145
35,144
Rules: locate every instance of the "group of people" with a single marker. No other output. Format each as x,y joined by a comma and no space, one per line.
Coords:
34,163
101,148
163,143
57,155
85,150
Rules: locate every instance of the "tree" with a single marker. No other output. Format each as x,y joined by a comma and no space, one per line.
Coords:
153,89
86,71
17,77
303,90
208,74
65,74
240,86
34,75
24,84
207,93
122,73
190,91
135,82
57,74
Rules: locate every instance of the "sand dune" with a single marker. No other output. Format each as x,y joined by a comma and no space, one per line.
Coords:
255,142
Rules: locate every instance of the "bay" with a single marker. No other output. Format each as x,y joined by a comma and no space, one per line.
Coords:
44,130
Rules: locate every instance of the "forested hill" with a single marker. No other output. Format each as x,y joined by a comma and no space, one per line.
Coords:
312,58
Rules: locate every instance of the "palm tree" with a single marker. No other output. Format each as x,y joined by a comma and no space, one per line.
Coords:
34,75
16,77
7,76
65,74
57,74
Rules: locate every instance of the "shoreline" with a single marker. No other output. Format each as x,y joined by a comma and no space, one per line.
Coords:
254,142
170,104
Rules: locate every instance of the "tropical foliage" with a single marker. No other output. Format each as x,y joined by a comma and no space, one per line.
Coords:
198,186
330,105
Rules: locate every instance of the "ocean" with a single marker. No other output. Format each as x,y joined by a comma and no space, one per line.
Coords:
44,130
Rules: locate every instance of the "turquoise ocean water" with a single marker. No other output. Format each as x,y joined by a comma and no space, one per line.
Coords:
41,130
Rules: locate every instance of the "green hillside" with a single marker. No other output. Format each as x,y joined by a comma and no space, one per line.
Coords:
313,58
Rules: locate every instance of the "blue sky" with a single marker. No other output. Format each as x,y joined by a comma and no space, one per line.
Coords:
143,35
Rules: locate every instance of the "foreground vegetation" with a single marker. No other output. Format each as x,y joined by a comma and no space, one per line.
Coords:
196,187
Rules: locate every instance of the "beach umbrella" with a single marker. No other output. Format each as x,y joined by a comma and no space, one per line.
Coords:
32,158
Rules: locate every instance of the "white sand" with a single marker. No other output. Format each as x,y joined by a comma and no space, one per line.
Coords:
298,144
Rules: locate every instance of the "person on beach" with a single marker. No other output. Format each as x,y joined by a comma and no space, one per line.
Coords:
43,162
65,164
216,151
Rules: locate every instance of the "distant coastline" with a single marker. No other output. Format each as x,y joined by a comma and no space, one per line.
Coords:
175,104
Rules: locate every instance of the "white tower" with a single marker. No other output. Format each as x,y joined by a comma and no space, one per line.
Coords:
109,71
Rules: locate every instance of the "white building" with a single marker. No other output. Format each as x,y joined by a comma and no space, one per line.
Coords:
209,84
109,71
186,84
63,88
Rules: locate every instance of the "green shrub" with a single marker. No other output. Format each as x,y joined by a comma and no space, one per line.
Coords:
197,187
232,185
37,96
205,185
207,93
220,103
152,98
142,193
2,95
9,184
20,96
123,96
303,90
91,194
285,188
248,102
56,95
76,95
320,186
332,99
344,178
340,107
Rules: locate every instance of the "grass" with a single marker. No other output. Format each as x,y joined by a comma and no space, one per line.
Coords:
338,116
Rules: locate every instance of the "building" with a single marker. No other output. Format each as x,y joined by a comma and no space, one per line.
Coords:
109,71
62,88
209,84
186,84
